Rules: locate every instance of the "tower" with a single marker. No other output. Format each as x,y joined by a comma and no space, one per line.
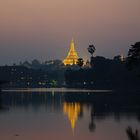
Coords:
72,56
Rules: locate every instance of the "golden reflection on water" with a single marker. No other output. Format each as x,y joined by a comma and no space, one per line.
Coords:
73,111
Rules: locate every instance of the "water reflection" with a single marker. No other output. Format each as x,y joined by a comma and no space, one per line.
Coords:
72,104
132,134
92,125
84,112
72,110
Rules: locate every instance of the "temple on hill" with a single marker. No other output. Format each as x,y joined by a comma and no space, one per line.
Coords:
72,56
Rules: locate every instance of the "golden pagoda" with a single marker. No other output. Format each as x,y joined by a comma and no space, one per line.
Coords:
72,56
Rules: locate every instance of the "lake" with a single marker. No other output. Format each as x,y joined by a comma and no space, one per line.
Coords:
66,114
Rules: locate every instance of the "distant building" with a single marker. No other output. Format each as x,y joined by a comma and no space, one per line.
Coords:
119,58
26,64
87,64
72,56
122,57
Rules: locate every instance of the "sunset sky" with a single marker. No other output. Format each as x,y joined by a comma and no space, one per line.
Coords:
43,29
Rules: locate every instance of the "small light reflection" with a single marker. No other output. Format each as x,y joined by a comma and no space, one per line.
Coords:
52,92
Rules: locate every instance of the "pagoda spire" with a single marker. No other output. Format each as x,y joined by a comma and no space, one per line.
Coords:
72,48
72,56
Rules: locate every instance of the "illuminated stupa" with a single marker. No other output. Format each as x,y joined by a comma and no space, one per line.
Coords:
72,56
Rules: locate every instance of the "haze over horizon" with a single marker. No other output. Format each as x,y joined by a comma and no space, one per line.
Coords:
43,29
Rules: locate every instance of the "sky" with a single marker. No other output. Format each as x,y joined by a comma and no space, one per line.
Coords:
43,29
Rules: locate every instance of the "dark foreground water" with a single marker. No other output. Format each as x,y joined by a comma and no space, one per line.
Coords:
66,115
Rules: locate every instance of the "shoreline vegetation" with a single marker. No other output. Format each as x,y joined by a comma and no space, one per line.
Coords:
100,73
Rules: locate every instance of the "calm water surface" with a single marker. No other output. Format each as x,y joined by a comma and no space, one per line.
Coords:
62,115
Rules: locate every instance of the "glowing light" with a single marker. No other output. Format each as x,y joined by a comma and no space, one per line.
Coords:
122,57
72,110
72,56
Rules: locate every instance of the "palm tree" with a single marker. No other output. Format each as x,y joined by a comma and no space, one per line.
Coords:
91,49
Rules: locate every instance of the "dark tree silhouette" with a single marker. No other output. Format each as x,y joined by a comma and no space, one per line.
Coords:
117,58
35,62
134,54
132,135
92,125
80,62
91,49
